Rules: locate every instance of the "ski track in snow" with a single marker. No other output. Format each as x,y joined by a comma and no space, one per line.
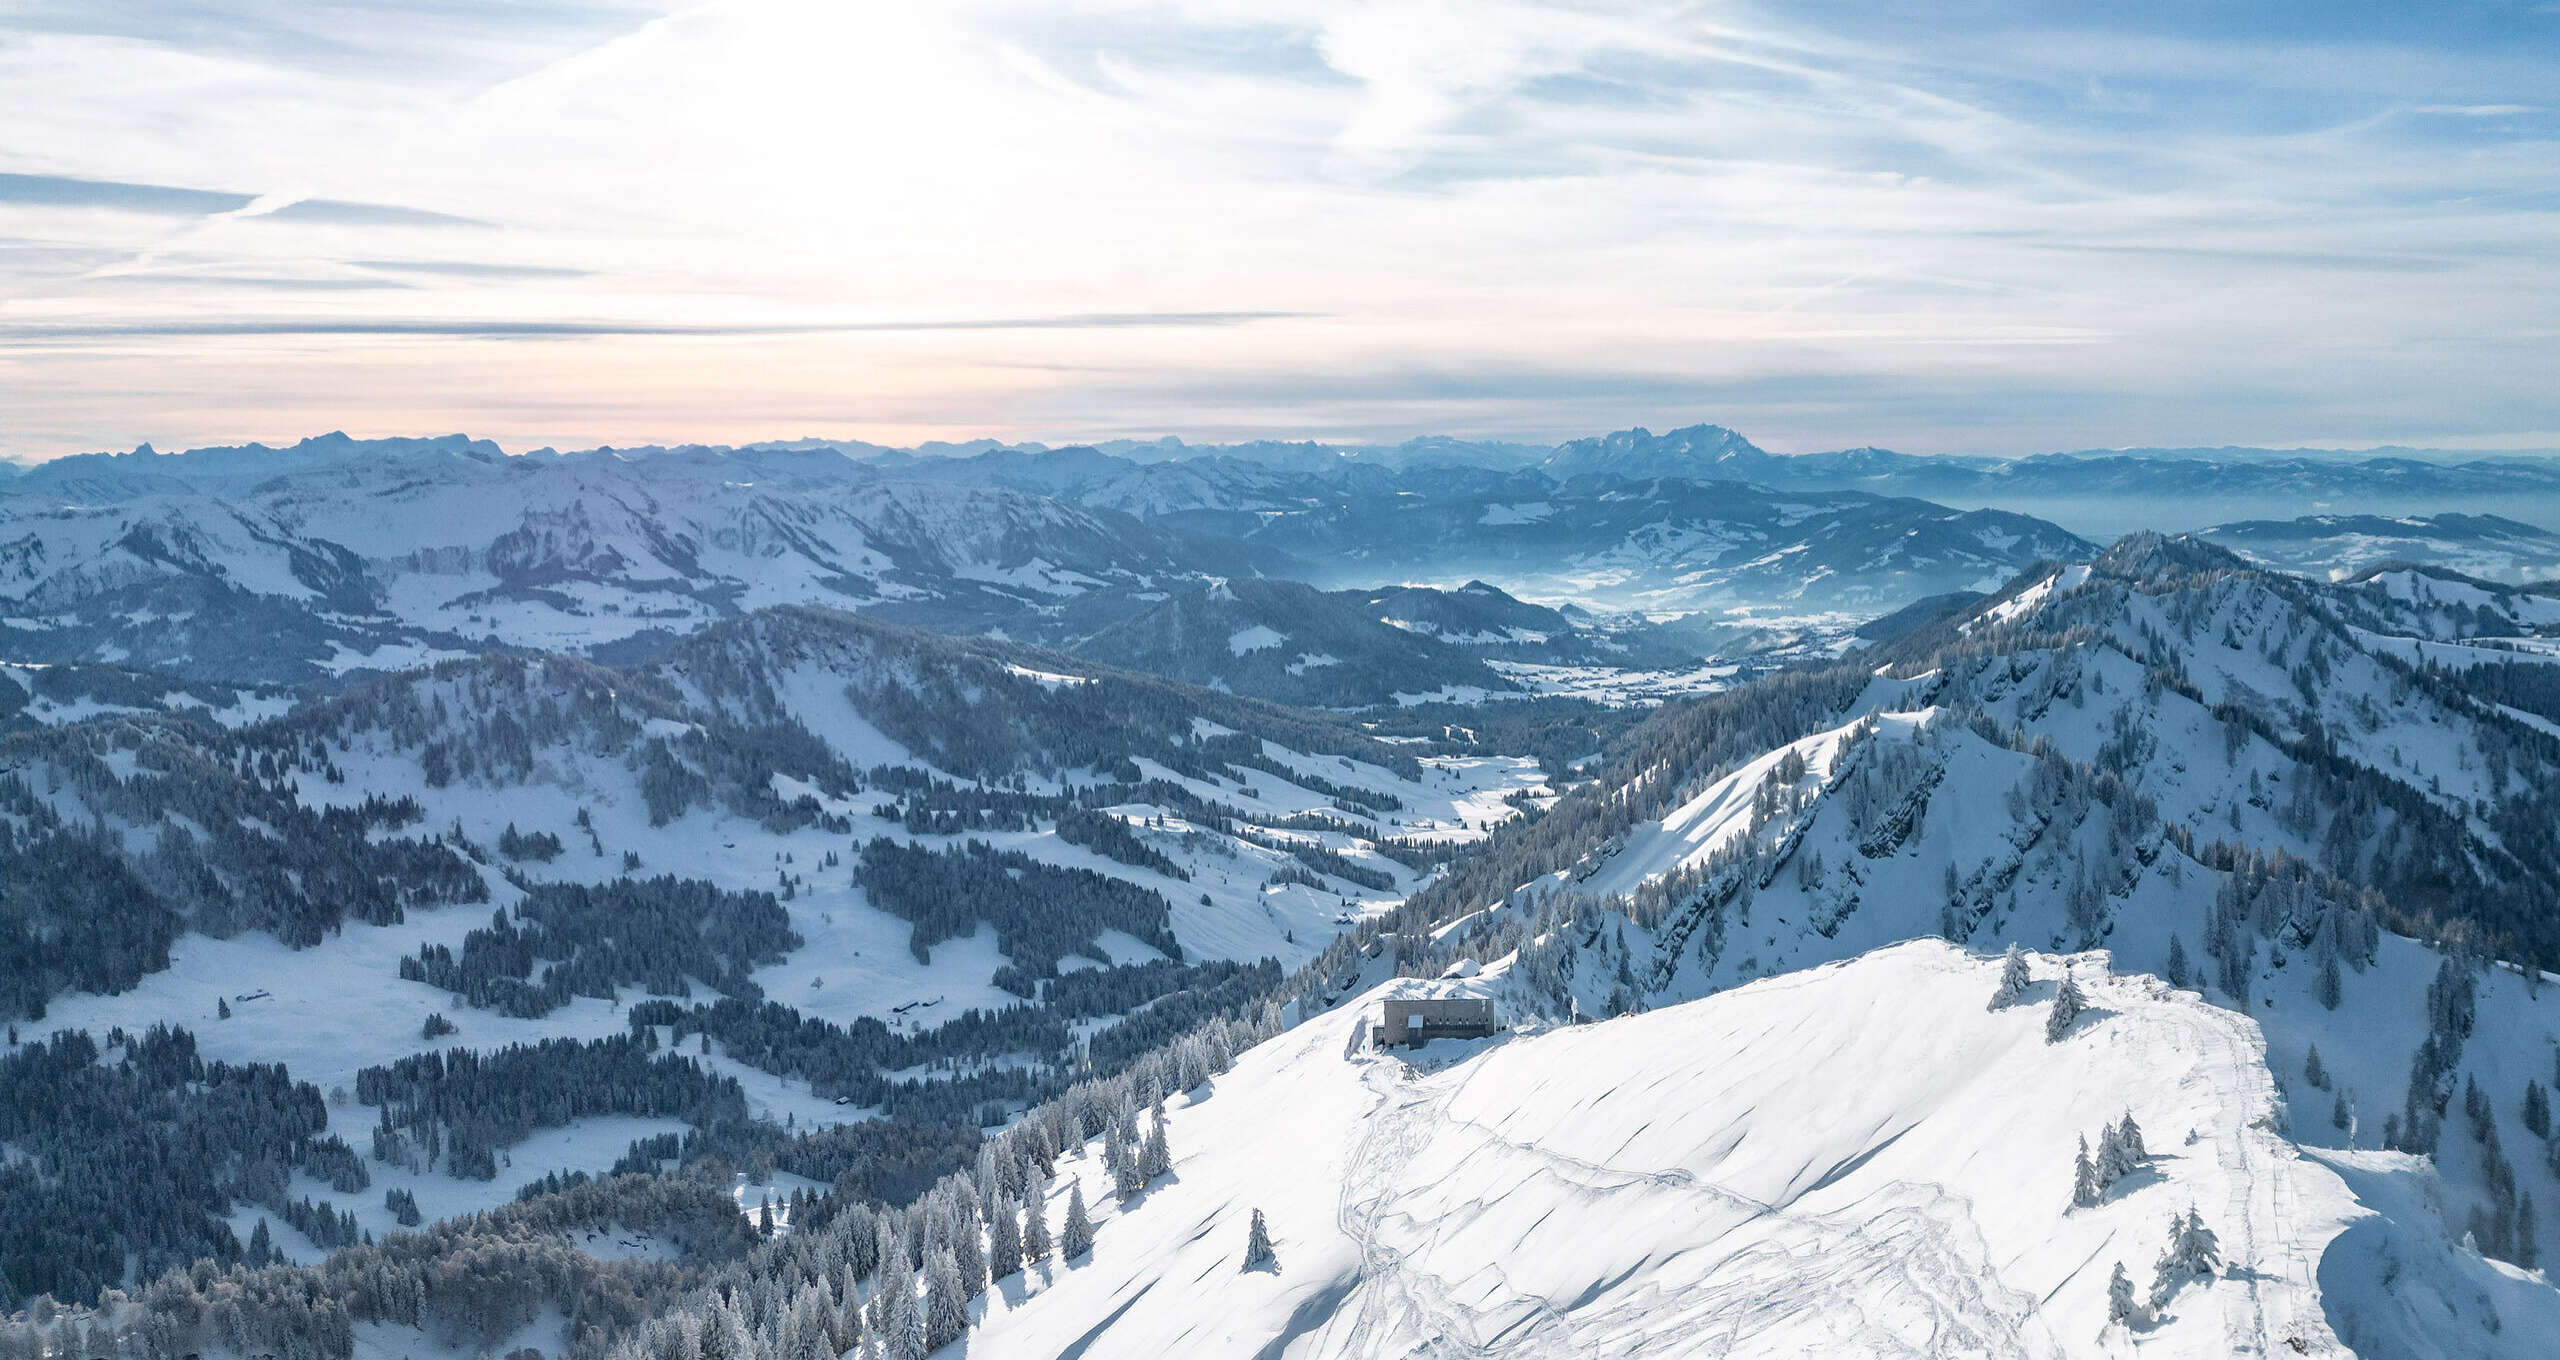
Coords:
1903,1270
1930,1256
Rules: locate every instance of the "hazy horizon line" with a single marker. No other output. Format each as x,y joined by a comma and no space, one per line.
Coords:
1350,444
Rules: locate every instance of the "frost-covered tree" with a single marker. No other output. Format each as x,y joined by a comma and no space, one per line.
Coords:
1004,1241
1035,1228
2313,1072
1119,1159
725,1334
2120,1154
895,1317
967,1255
1129,1177
2330,988
2013,979
806,1328
2115,1160
2176,968
1258,1254
2193,1253
946,1303
1076,1239
2129,1139
2120,1300
1155,1156
2067,1005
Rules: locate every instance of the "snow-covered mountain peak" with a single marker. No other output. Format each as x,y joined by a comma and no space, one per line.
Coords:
1862,1158
1692,451
2163,559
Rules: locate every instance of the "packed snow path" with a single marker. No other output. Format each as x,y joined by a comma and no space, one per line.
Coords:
1857,1160
1914,1249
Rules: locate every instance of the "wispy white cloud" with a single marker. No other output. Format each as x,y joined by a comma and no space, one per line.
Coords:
1918,227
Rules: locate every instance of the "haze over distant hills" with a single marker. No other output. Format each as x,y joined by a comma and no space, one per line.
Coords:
250,564
892,824
2095,492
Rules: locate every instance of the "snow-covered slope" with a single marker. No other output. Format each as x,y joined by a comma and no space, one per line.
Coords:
1289,642
308,857
2207,771
432,552
1860,1159
1697,452
1667,545
378,554
2337,546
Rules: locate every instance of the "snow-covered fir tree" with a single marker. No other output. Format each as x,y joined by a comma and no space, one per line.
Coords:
807,1328
1004,1241
1155,1156
2192,1254
968,1256
1076,1238
2067,1005
2129,1142
1258,1254
2013,979
2120,1301
946,1303
1035,1228
896,1318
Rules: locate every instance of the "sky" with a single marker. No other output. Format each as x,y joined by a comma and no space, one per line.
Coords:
1956,227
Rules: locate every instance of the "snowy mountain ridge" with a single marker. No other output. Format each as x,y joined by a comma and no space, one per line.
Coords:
373,555
2117,755
1860,1158
2278,833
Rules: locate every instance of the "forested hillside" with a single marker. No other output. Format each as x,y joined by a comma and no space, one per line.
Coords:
524,915
698,924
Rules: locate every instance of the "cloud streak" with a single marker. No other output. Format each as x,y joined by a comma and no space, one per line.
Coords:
167,200
472,269
62,191
493,329
1854,220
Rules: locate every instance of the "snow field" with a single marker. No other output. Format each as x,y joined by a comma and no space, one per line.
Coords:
1857,1159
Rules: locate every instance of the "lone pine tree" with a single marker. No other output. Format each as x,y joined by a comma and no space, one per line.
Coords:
2067,1005
2013,979
1258,1254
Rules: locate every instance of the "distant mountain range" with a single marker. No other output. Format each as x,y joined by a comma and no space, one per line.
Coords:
2149,487
336,554
284,565
2492,547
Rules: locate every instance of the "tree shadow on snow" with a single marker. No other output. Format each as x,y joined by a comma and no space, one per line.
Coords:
2088,1017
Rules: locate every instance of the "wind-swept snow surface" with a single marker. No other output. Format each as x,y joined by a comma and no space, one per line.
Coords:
1861,1159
